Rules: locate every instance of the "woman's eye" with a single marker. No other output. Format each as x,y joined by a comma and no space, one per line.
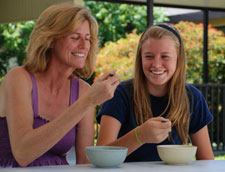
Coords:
88,37
75,38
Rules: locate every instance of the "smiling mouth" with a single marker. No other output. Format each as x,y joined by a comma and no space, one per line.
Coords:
157,72
78,54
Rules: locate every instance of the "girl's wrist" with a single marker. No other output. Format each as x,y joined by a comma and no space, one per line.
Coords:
137,136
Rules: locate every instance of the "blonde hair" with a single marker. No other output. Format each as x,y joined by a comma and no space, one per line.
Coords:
178,104
55,22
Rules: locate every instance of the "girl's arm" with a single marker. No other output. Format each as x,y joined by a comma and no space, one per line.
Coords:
152,131
202,141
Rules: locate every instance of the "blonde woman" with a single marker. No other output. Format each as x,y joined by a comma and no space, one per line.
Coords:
45,108
156,106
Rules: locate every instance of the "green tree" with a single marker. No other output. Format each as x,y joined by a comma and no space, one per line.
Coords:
13,40
116,20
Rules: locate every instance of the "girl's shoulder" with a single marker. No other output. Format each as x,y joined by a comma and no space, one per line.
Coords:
193,92
125,87
127,84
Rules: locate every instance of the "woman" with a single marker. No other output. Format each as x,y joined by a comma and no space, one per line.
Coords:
45,108
156,106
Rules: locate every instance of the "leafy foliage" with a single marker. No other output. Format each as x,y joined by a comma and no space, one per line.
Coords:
121,54
192,35
115,19
13,40
118,55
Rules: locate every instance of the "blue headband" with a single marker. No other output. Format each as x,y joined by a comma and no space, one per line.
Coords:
171,29
167,27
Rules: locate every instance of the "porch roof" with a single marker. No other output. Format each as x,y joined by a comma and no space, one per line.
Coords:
194,4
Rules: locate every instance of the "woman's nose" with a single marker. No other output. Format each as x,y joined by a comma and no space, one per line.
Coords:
82,43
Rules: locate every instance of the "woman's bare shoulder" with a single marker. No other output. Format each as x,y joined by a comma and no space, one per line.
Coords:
16,74
16,79
17,71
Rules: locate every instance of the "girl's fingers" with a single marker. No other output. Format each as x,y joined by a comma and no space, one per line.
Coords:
161,119
162,123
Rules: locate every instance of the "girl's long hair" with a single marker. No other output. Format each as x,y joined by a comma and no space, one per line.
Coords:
178,103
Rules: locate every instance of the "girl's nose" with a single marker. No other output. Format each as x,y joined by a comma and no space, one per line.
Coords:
157,61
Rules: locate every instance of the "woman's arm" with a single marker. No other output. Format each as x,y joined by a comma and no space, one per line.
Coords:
27,143
202,141
85,130
84,137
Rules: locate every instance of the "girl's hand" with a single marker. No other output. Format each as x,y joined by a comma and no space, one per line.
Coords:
154,130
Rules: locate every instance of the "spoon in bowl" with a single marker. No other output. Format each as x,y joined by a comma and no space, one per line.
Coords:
170,137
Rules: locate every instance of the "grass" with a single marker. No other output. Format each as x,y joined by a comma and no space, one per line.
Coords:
220,157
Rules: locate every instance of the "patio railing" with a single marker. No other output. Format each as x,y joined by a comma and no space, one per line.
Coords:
215,97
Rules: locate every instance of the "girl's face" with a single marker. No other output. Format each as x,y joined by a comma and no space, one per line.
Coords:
72,50
159,62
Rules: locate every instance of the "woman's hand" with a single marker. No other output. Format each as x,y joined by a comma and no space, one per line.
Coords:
154,130
103,89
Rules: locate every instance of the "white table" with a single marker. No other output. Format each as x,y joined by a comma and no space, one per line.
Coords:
195,166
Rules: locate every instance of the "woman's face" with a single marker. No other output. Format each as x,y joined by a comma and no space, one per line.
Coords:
72,50
159,62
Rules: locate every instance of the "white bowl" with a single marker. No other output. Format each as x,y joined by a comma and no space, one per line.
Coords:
176,154
106,156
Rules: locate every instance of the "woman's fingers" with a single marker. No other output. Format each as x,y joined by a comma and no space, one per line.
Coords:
112,79
104,88
107,75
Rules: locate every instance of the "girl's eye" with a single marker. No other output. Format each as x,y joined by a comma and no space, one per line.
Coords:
164,57
149,57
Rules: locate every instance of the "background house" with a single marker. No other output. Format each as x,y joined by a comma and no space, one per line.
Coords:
216,18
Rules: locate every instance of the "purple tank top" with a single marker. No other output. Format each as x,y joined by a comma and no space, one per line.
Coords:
57,154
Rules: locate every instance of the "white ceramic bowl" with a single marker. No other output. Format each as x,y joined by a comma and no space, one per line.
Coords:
176,154
106,156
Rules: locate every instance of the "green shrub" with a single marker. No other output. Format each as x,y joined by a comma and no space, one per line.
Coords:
118,55
121,54
192,35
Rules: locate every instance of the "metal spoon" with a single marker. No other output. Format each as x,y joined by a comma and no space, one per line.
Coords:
170,137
